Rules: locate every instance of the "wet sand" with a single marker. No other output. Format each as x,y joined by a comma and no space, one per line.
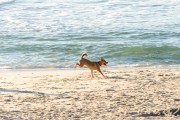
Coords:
129,94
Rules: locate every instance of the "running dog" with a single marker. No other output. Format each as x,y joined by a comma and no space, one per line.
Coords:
91,65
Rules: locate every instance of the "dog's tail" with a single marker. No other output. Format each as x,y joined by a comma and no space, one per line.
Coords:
84,54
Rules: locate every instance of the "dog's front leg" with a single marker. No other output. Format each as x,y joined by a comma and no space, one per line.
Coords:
92,74
100,72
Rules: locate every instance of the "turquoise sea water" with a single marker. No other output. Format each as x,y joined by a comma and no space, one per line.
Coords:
54,33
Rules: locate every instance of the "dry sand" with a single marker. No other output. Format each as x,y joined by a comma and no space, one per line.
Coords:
126,94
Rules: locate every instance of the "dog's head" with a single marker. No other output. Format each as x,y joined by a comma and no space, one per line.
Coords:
103,61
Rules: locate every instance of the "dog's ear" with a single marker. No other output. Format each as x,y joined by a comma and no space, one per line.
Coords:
101,58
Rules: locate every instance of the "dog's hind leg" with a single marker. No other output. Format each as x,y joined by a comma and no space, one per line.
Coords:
77,64
80,65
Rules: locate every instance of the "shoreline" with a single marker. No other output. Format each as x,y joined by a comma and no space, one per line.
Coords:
145,94
85,68
109,66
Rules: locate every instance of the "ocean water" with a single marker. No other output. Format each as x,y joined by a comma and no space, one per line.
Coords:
54,33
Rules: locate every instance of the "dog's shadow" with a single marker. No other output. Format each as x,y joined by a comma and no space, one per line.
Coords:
115,77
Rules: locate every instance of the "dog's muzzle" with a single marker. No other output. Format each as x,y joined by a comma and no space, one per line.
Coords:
105,63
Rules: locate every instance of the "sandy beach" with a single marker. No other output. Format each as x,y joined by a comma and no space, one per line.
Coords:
125,94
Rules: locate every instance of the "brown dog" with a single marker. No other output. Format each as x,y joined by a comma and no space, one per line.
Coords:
91,65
